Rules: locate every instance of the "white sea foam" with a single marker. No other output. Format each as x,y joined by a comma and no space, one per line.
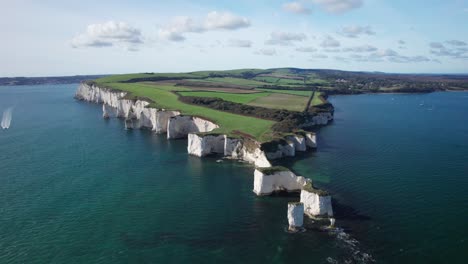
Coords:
345,241
6,119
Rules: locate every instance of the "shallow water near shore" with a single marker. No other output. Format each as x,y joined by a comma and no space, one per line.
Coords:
75,188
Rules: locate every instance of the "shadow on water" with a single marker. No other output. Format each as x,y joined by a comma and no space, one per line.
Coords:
347,212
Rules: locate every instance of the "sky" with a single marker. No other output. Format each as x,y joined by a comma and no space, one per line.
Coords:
59,38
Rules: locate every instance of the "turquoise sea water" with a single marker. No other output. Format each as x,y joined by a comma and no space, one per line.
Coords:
75,188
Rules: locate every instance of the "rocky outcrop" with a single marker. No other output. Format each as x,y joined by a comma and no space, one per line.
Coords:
275,179
180,126
233,148
295,216
299,142
317,203
319,119
255,156
201,145
311,140
290,145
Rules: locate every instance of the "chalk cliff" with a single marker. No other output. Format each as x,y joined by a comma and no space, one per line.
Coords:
234,148
316,204
274,179
180,126
136,112
295,216
201,145
137,115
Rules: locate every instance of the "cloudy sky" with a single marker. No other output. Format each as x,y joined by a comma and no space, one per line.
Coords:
52,37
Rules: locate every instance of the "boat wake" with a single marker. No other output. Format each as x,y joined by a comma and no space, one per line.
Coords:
350,245
6,119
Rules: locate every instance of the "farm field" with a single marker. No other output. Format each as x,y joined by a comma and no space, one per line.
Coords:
165,98
282,101
241,98
177,91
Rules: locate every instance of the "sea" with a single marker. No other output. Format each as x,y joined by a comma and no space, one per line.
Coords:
75,188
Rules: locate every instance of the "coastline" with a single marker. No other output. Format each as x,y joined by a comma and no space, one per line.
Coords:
138,114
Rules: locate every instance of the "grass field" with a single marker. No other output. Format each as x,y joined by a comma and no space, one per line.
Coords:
293,92
239,86
231,80
165,98
316,101
241,98
282,101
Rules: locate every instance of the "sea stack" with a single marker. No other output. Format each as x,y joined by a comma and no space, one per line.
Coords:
317,203
295,216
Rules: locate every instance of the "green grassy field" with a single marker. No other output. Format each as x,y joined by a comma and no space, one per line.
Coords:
233,97
316,101
166,95
282,101
293,92
165,98
230,80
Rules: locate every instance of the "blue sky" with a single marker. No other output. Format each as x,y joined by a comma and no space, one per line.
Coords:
49,37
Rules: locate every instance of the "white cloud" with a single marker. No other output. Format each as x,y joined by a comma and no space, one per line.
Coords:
359,49
285,38
385,53
330,42
266,52
306,49
180,25
297,8
108,34
225,20
355,31
240,43
338,6
389,55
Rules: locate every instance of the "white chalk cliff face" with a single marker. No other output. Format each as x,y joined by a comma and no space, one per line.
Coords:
201,145
265,184
299,142
295,216
138,115
135,112
180,126
311,140
319,120
316,205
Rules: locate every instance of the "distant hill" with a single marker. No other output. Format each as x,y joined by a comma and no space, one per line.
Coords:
47,80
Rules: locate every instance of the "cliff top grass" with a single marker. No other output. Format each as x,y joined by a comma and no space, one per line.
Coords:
163,90
272,170
310,188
